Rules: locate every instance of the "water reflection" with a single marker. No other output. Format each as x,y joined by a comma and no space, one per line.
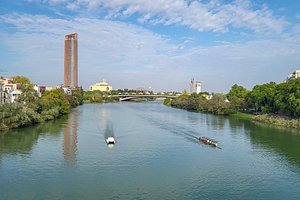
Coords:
215,122
18,142
236,124
21,141
70,138
282,141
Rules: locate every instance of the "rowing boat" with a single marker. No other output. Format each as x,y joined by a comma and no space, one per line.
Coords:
208,141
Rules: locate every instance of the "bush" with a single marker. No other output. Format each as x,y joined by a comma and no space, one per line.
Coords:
217,105
279,121
167,102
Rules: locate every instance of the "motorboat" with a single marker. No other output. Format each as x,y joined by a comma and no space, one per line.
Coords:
110,140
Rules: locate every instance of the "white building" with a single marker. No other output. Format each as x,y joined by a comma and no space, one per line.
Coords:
48,88
14,95
8,90
294,75
195,87
37,90
67,90
4,95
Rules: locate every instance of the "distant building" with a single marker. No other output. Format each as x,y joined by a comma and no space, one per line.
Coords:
7,88
4,95
195,86
48,88
67,90
71,61
102,86
39,89
14,95
294,75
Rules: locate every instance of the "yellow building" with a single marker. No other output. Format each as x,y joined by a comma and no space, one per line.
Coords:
103,86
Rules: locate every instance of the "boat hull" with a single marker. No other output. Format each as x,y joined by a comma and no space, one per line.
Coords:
208,141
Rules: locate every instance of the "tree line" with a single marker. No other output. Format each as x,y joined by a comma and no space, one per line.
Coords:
29,108
281,99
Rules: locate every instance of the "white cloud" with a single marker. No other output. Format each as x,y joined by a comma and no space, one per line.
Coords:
130,56
105,48
211,16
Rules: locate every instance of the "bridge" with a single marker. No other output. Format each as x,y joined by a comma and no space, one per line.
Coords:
127,97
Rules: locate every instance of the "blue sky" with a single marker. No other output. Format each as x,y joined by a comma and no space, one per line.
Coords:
157,43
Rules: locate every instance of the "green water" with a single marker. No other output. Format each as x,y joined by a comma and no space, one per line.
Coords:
156,157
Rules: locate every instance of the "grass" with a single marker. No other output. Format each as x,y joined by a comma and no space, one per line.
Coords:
269,119
241,115
278,121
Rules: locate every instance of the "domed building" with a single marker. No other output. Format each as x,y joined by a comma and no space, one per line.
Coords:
102,86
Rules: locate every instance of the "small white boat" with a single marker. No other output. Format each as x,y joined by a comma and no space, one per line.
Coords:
110,140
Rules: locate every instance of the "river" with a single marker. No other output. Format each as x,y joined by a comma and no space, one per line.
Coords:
157,156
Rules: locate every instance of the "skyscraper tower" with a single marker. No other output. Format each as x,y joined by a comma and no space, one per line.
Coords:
71,61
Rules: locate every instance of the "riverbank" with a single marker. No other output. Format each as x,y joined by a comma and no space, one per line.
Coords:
277,121
31,109
271,119
240,115
279,103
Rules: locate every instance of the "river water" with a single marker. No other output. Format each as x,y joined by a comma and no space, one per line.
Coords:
157,156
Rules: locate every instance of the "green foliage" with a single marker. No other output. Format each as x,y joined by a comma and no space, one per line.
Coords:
31,99
237,97
93,96
109,99
287,98
50,114
55,99
76,98
15,114
30,109
283,99
261,98
167,102
217,105
278,121
181,102
242,115
25,83
21,79
198,102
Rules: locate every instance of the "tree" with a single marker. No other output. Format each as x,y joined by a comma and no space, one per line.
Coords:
181,101
167,102
217,105
287,98
237,97
29,96
76,98
55,99
25,83
261,98
93,96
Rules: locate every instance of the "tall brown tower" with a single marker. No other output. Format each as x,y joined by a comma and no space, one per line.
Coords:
71,61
